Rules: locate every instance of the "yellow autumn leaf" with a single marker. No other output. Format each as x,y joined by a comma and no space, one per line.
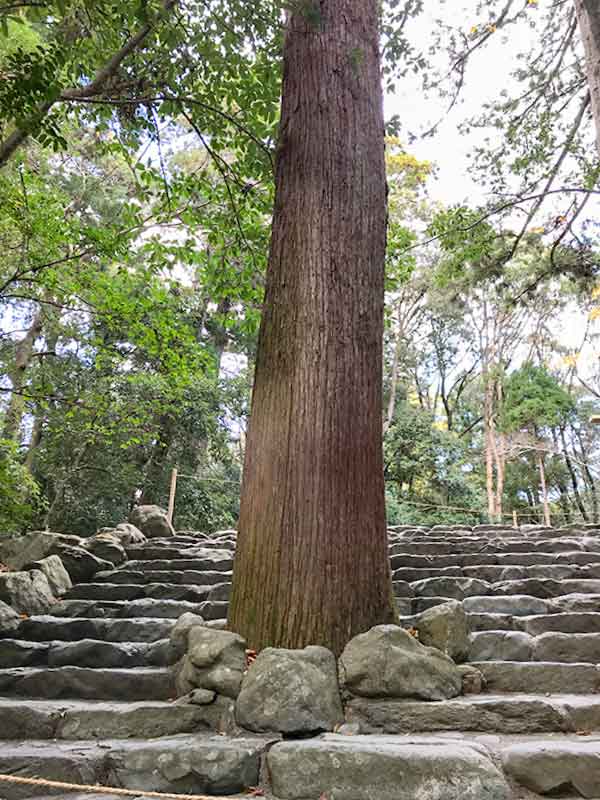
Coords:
596,291
491,28
595,314
473,30
541,229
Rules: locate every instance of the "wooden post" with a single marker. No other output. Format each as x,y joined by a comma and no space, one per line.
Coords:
172,491
515,520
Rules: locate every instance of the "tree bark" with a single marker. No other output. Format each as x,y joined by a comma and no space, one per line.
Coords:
588,17
311,564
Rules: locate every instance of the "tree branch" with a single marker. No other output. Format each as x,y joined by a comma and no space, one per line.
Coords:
18,136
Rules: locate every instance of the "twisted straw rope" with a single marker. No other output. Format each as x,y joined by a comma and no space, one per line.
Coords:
104,789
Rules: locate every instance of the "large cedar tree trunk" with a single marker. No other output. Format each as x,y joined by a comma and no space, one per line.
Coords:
311,565
588,15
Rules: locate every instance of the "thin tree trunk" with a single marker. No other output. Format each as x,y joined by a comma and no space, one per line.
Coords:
489,448
23,356
573,476
311,564
547,520
393,381
587,475
588,16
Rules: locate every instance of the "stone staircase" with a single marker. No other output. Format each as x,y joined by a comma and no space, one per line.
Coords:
87,692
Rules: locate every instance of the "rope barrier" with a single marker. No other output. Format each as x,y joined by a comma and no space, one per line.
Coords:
103,789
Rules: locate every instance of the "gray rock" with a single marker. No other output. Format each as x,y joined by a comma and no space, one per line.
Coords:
81,564
383,768
92,653
27,592
501,646
291,692
215,660
201,697
108,547
445,627
519,605
456,588
16,551
557,767
216,765
473,681
389,662
567,647
54,570
180,631
152,521
9,619
129,534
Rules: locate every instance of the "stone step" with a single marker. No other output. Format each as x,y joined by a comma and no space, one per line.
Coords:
85,653
552,768
205,558
461,588
519,646
384,768
540,677
48,628
406,560
182,764
145,607
96,719
137,683
211,573
126,591
495,573
186,577
447,547
536,624
498,713
515,605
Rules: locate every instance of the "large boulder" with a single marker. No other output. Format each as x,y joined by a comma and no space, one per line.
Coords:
291,692
180,631
129,534
27,592
152,521
388,662
445,627
107,545
215,660
81,564
55,572
17,551
9,620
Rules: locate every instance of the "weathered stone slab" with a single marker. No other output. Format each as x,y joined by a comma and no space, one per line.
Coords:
561,767
517,605
381,768
502,646
501,714
567,647
523,676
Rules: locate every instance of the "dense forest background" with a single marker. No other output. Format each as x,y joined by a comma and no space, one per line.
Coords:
134,225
